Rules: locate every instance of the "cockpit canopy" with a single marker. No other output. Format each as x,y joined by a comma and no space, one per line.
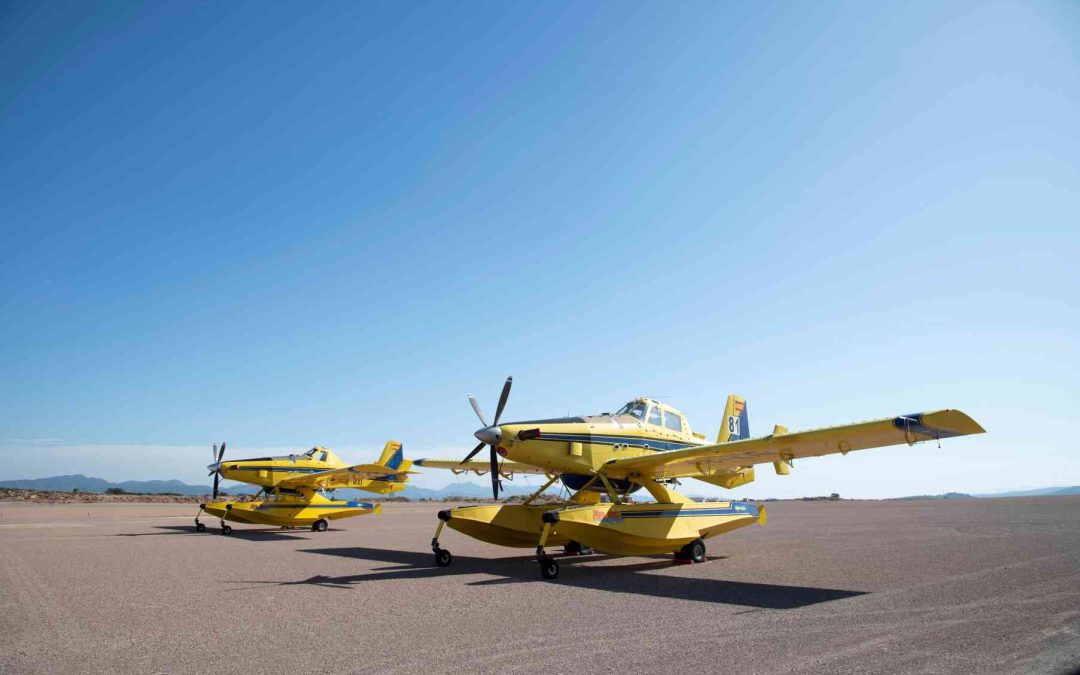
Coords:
655,414
318,454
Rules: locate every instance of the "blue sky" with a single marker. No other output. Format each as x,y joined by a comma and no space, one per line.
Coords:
285,225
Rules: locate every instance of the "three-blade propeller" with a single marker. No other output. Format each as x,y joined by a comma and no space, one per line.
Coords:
216,473
489,435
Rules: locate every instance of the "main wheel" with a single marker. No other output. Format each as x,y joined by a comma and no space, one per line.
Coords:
694,551
320,525
200,527
443,557
577,548
549,569
226,530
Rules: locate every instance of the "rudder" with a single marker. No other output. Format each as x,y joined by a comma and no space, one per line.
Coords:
736,424
392,455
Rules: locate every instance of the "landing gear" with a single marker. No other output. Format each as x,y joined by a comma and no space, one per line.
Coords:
577,548
200,527
443,557
225,529
320,525
549,569
692,552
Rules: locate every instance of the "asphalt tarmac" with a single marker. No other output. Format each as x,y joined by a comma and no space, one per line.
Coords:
960,586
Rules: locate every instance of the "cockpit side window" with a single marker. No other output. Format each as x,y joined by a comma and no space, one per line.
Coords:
634,409
654,416
323,456
673,421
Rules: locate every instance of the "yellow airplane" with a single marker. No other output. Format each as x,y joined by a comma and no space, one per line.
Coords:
646,444
294,484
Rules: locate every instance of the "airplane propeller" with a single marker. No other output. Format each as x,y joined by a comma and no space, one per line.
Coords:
490,434
216,471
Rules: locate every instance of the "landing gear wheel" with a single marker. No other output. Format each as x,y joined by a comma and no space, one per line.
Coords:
577,548
443,557
549,569
694,551
320,525
226,530
200,527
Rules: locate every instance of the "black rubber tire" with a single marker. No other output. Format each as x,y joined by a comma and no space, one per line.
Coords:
200,527
694,551
577,548
443,557
226,530
549,569
320,525
680,556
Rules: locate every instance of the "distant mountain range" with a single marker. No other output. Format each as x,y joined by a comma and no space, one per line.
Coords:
1041,492
87,484
462,489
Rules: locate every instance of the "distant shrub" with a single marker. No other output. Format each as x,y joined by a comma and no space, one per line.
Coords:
116,491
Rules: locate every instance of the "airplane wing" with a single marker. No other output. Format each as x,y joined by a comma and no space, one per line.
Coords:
711,460
506,468
350,476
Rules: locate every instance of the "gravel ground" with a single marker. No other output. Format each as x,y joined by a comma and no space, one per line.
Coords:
970,586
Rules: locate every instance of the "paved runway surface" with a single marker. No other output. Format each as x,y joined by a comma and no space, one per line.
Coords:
968,586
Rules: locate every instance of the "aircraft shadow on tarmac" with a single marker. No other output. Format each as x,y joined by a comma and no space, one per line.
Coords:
246,535
617,579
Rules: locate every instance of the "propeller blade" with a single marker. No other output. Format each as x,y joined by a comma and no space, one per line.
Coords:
494,474
473,453
222,453
217,477
476,409
214,452
502,402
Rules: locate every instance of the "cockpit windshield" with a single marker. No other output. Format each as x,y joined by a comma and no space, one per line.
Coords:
634,409
311,452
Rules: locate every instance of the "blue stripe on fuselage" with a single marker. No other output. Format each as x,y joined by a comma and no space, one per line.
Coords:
635,441
346,505
275,469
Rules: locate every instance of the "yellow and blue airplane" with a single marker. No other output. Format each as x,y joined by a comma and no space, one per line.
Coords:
294,487
650,445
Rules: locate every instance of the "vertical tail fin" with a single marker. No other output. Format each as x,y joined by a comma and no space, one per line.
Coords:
736,424
392,455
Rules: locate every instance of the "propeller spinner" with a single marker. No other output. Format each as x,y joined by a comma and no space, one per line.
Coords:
490,434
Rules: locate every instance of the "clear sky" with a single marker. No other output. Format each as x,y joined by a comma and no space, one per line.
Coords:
289,224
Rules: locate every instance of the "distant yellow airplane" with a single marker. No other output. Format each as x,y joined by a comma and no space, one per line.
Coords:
645,444
293,485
